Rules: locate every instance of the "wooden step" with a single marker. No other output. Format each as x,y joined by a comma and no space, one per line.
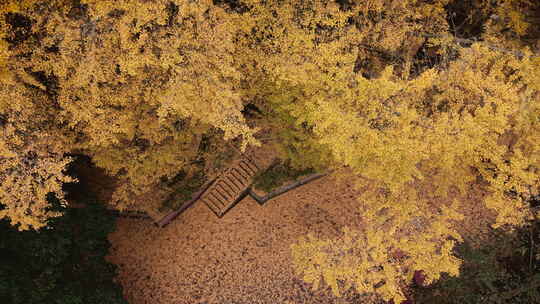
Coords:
231,186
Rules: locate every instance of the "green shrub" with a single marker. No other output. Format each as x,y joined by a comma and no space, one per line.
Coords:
505,269
278,174
184,189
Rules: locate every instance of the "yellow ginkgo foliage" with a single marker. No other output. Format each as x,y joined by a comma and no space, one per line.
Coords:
378,87
135,86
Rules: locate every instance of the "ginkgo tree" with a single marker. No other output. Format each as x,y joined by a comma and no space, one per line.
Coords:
129,84
446,127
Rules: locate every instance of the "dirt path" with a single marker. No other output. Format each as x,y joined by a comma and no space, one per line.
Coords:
242,258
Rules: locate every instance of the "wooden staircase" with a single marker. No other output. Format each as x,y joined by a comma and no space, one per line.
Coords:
226,190
231,186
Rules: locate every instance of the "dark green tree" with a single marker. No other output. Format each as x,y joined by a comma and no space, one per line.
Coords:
502,268
62,264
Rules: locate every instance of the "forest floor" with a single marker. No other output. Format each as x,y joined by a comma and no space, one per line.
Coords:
245,256
242,258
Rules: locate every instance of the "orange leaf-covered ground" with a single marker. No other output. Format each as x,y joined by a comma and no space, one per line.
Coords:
242,258
245,257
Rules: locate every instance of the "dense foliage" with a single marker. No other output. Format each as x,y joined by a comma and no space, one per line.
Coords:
422,103
503,268
277,175
63,263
